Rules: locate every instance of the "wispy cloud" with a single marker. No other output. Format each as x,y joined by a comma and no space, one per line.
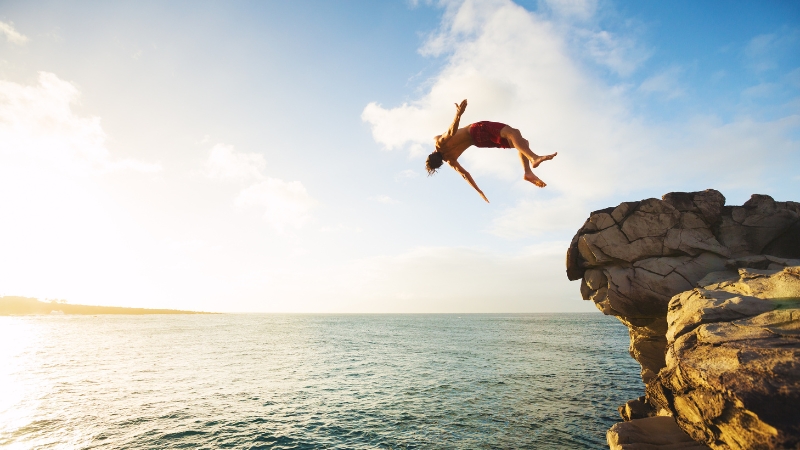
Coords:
227,164
622,55
573,9
284,203
408,173
764,51
666,84
39,130
11,34
385,199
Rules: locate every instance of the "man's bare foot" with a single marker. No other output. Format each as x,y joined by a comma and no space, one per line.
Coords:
540,159
534,179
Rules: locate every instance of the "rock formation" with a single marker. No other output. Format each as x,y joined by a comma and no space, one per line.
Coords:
706,294
732,377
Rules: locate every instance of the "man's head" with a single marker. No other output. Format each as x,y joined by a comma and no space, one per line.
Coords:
433,162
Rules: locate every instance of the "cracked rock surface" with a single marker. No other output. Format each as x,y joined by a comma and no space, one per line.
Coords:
732,375
633,259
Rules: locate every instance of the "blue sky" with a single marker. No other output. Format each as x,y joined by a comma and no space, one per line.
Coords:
268,156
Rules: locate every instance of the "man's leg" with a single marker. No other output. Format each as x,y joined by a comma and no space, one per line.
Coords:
529,176
521,144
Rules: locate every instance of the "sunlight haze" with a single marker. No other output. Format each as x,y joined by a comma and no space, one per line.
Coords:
269,156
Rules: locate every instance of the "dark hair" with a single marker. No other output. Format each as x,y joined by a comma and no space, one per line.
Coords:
433,162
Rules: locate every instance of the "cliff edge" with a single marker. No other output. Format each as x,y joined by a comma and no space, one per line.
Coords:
711,297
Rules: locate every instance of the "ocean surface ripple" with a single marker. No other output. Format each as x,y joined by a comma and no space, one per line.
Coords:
256,381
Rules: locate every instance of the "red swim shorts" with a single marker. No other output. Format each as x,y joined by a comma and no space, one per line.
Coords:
487,134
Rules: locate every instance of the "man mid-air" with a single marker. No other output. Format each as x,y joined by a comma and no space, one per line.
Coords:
455,141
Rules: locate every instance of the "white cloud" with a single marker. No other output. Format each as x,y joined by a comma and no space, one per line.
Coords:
793,78
546,96
12,35
577,9
578,21
620,54
665,84
385,199
285,204
408,173
760,90
765,51
758,52
227,164
516,67
39,131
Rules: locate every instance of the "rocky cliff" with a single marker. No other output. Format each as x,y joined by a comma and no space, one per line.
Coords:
709,294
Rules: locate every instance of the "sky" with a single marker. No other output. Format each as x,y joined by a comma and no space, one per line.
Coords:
269,156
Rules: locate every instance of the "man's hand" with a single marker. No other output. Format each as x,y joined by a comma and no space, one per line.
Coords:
462,107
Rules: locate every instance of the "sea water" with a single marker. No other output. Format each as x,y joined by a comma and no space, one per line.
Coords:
545,381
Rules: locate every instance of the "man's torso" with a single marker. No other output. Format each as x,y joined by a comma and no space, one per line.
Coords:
452,148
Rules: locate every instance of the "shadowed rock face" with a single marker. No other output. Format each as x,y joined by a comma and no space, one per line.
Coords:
634,258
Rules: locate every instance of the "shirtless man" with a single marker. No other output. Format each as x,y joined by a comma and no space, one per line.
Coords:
451,145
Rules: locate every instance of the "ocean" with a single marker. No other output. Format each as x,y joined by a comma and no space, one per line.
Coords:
272,381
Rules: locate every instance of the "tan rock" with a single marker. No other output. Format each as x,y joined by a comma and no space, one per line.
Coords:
733,236
714,278
595,279
710,203
662,266
613,242
637,408
698,306
690,220
733,332
694,241
732,374
647,345
586,292
602,220
652,218
621,212
590,253
652,433
769,284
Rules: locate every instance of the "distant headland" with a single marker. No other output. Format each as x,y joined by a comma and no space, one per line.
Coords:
17,306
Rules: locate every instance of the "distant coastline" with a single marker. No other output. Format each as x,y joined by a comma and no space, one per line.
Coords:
21,306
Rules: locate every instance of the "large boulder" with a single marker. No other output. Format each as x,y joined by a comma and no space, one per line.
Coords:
635,258
732,375
652,433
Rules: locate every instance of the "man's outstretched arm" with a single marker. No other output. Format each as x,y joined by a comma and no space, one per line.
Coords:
454,127
455,165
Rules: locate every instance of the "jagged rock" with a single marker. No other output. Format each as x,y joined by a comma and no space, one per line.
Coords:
652,433
646,345
732,375
637,408
633,259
